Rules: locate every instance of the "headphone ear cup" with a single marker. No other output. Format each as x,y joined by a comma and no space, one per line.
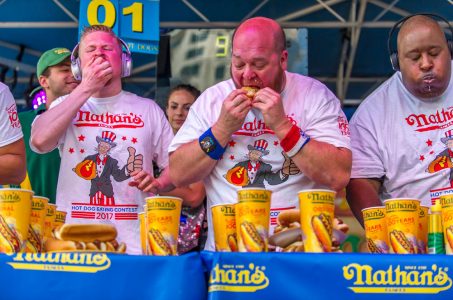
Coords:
394,61
75,68
126,64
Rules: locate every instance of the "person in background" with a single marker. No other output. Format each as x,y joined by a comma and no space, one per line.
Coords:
107,138
12,149
401,133
55,78
192,232
293,126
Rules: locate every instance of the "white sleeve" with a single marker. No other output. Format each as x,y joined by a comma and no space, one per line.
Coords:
10,128
366,158
325,120
162,139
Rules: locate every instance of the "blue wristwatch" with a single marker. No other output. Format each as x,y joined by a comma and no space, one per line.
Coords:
210,145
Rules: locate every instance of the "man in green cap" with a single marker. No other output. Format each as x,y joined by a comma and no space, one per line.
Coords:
55,78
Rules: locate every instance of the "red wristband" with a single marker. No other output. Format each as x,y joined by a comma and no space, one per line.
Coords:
291,138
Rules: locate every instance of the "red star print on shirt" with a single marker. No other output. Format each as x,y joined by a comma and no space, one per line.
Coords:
231,157
231,143
429,143
422,158
82,150
81,138
124,138
134,140
71,150
275,143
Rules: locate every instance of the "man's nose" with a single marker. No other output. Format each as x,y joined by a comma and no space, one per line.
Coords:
249,73
426,62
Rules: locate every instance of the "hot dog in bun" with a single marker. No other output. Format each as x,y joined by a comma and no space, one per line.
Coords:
288,237
85,237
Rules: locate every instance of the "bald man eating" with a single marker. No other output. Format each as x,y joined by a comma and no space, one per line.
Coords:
402,134
290,135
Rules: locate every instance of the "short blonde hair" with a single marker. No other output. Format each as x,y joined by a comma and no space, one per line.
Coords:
95,28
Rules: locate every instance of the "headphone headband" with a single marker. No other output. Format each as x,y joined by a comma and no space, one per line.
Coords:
126,61
393,53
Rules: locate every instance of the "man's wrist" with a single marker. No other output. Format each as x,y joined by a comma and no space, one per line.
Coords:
210,145
294,141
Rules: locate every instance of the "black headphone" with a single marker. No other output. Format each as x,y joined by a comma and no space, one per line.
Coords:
394,53
126,62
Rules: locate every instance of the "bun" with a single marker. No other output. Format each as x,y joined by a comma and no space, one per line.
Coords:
251,91
286,217
86,232
52,244
85,237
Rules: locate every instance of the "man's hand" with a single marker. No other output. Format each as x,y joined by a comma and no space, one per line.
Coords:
96,73
233,112
145,182
134,162
270,104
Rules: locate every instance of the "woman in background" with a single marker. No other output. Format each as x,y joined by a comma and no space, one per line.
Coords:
192,230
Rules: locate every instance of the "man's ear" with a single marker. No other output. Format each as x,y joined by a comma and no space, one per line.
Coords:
43,81
284,60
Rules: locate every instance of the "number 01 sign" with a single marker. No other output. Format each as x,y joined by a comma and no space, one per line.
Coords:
136,22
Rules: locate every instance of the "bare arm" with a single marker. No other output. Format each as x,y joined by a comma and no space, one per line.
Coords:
362,193
13,163
147,183
184,170
189,164
325,164
193,194
51,125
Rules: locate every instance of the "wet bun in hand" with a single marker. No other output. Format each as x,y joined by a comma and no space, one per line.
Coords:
251,91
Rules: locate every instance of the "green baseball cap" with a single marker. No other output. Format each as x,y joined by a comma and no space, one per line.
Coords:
51,58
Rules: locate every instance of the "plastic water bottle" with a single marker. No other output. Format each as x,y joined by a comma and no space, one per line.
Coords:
435,231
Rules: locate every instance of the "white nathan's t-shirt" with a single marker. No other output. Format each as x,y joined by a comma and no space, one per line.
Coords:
402,139
307,103
130,124
10,129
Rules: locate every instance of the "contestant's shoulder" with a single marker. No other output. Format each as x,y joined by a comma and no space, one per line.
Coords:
383,96
309,84
220,89
135,99
3,87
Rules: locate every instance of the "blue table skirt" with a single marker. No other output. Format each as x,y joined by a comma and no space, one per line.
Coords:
231,276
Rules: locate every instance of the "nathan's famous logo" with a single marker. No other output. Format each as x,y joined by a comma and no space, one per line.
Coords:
89,119
257,127
255,196
373,214
438,120
62,261
10,196
238,278
319,197
400,279
161,205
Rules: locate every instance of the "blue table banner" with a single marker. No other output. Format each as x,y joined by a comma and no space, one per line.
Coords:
82,275
328,276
